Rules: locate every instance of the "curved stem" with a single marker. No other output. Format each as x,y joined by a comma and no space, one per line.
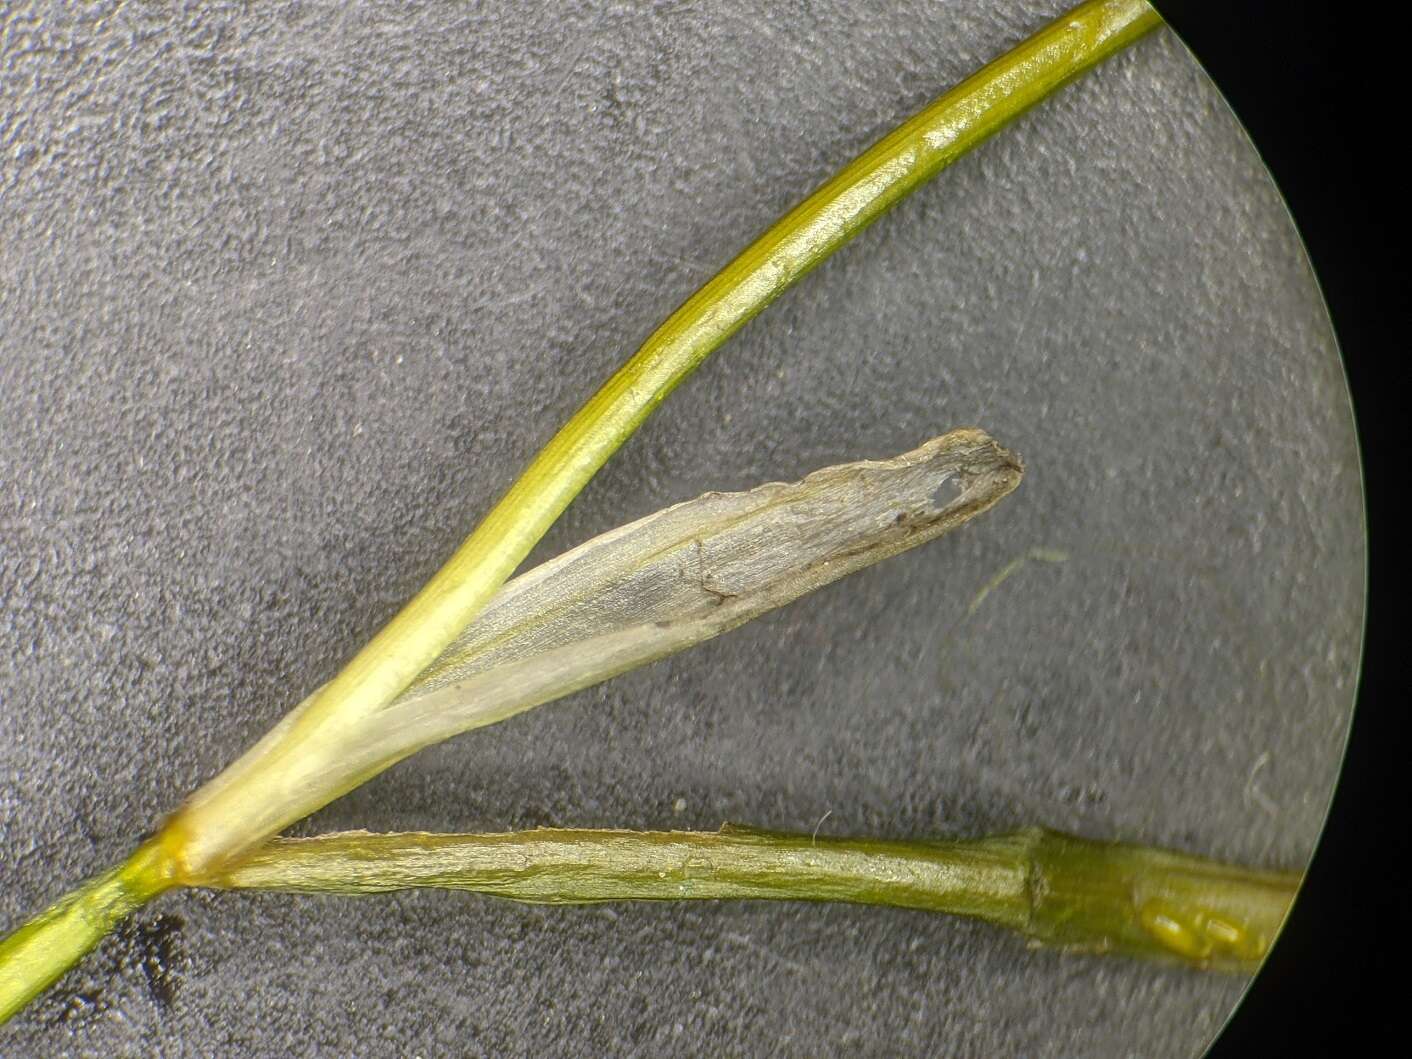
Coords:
1054,888
233,813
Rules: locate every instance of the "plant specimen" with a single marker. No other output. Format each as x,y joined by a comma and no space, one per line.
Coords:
417,681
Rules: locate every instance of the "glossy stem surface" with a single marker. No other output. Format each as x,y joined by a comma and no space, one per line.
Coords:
1054,888
232,814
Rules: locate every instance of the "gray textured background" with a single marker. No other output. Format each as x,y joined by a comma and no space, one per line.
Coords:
289,293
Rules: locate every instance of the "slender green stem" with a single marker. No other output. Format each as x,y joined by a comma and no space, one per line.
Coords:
1054,888
36,955
235,812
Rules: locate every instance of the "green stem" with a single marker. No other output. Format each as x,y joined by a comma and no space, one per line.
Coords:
1054,888
234,813
36,955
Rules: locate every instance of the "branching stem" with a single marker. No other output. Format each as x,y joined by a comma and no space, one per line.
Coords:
235,812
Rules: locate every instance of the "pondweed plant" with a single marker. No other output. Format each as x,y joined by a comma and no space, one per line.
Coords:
470,649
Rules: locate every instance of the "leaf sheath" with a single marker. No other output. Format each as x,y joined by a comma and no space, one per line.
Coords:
1054,888
659,585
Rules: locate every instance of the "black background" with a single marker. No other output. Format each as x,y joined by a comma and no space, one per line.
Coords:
1313,84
